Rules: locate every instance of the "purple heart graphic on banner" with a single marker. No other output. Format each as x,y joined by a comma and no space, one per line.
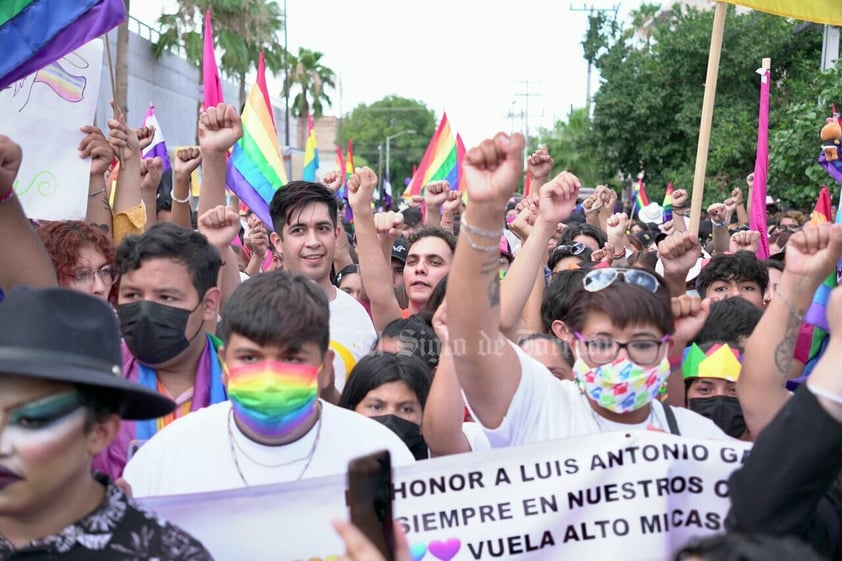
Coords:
418,550
445,550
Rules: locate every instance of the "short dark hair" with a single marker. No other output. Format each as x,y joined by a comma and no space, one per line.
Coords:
171,241
561,251
417,337
296,195
376,369
742,266
559,295
728,320
582,229
625,304
733,546
412,216
776,264
432,232
280,308
563,347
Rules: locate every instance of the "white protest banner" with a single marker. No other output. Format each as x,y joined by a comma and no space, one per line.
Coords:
622,496
43,113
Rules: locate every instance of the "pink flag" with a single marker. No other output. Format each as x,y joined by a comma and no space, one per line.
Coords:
261,83
757,220
210,73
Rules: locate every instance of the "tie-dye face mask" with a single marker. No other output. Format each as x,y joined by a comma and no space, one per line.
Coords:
621,386
273,398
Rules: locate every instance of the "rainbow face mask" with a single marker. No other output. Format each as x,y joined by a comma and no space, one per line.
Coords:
273,398
621,386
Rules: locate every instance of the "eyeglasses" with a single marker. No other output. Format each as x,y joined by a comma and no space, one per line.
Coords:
85,277
598,279
603,350
575,248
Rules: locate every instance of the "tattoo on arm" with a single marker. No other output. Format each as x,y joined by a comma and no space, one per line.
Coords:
492,269
785,349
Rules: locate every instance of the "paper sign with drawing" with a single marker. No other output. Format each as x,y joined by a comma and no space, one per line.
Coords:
43,113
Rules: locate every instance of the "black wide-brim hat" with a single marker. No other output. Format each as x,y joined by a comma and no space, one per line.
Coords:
68,336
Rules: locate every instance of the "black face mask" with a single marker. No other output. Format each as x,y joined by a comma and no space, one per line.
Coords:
407,431
723,410
154,332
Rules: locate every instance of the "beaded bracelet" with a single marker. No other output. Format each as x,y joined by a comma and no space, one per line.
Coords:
482,232
8,196
183,201
484,248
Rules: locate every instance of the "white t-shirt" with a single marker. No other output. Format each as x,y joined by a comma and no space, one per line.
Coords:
352,334
193,454
475,434
546,408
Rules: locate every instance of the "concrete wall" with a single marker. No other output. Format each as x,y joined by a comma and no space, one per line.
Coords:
172,84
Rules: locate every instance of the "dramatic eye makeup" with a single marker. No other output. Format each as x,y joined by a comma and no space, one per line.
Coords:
45,411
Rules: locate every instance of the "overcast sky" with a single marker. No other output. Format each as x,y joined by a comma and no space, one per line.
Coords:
491,65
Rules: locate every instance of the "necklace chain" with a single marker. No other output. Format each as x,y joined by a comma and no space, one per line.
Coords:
232,443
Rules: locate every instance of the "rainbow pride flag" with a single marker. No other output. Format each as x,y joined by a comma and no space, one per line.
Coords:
667,206
442,161
639,198
256,167
311,152
35,33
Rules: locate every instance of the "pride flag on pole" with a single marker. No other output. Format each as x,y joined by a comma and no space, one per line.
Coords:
311,152
261,83
210,73
256,167
158,148
820,11
667,206
757,219
442,161
35,33
639,198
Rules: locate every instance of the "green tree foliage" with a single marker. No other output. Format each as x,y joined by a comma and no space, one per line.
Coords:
647,109
568,144
309,80
241,29
368,126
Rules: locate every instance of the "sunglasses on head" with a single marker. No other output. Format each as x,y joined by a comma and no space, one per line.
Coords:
575,248
598,279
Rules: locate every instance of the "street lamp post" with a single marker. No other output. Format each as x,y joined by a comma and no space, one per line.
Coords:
388,151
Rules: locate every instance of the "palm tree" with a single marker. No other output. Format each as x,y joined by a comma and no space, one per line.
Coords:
242,28
311,79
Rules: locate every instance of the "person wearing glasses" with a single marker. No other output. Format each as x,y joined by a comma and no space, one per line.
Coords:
83,257
621,320
569,256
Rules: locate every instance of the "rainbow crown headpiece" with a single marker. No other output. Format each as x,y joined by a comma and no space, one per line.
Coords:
720,361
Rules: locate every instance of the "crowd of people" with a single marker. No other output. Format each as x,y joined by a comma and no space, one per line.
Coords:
160,347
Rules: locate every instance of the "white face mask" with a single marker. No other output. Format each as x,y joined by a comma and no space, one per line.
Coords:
621,386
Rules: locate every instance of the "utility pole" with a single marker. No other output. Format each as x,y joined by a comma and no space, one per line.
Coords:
525,94
592,20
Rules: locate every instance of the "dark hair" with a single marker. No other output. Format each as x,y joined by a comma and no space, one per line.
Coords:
412,216
376,369
417,337
568,234
563,347
294,197
734,546
742,266
558,296
280,308
436,296
163,203
773,264
643,260
352,269
729,320
170,241
100,403
625,304
561,251
432,232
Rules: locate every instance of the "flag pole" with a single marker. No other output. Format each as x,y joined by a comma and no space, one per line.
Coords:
707,116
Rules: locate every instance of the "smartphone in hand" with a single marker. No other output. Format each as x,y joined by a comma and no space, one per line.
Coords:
369,498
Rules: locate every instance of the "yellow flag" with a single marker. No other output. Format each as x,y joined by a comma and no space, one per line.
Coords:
818,11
